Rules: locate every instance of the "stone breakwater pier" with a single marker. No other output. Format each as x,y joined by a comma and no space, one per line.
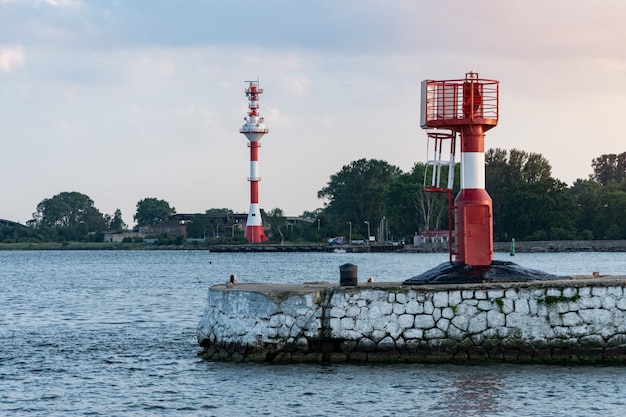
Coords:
574,320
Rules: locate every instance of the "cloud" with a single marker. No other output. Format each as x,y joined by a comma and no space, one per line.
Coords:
54,3
139,87
11,57
62,3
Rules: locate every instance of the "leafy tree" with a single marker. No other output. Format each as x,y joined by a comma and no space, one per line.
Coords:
151,211
586,196
199,226
544,206
536,168
213,222
67,209
276,220
526,199
117,223
306,230
401,212
410,208
218,211
498,179
609,167
610,222
312,214
432,207
71,214
220,219
20,233
358,192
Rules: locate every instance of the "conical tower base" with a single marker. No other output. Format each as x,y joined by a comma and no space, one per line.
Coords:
255,234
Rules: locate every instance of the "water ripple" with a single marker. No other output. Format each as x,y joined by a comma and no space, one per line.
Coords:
113,334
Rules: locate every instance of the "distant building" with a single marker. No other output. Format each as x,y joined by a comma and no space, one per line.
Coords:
432,236
144,232
170,230
117,237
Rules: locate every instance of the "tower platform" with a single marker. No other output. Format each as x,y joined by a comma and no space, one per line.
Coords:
460,273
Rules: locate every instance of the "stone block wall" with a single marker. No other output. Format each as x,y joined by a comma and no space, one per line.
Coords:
581,320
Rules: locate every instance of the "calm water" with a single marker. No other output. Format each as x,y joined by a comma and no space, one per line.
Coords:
112,333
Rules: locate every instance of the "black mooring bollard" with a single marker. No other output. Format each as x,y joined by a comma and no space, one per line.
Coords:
348,275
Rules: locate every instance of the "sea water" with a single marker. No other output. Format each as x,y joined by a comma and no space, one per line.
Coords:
112,333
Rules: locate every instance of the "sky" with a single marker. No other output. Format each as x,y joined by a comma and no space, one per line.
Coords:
133,99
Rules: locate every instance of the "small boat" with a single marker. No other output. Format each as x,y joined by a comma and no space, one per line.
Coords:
339,250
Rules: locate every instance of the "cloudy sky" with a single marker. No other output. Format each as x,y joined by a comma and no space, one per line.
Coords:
127,99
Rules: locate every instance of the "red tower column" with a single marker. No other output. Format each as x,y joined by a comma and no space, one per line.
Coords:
473,211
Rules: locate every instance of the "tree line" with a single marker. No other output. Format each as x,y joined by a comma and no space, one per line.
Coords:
370,197
72,216
528,202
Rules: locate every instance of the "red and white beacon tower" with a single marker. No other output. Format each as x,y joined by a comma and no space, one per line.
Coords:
254,129
469,107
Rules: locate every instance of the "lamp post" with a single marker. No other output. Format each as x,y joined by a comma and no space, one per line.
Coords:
382,230
368,232
350,234
318,225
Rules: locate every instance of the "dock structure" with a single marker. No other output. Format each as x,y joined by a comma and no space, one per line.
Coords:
304,247
571,320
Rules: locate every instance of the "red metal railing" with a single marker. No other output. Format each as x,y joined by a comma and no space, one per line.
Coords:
451,103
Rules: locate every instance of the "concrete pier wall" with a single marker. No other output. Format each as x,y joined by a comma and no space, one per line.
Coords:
572,320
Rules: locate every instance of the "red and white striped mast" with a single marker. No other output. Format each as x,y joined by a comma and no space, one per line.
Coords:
254,129
470,107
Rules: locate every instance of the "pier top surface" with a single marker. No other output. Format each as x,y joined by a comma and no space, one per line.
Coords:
306,287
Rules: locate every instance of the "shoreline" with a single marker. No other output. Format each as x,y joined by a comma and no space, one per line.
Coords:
520,247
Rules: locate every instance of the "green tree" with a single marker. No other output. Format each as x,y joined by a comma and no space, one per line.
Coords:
217,211
433,207
306,229
216,222
116,223
358,192
536,168
410,208
276,220
151,211
610,222
200,226
586,196
609,167
312,214
498,179
220,219
72,215
401,211
20,233
527,201
537,211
